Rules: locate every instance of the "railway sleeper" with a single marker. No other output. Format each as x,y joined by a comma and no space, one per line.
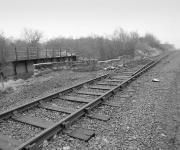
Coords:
41,123
121,76
76,99
113,80
128,72
81,134
56,108
90,93
107,83
100,87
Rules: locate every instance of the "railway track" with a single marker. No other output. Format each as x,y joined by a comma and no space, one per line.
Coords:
27,126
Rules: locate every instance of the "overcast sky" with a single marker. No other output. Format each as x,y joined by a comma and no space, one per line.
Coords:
77,18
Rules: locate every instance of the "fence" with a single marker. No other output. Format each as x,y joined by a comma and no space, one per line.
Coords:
34,53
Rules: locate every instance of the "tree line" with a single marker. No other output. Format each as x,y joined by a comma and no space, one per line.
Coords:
99,47
103,48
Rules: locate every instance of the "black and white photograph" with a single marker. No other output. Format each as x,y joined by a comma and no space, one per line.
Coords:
89,75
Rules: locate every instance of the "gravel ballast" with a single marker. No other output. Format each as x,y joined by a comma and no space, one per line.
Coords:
17,130
45,114
37,87
150,119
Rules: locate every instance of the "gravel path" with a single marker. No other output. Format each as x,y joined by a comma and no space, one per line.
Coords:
149,120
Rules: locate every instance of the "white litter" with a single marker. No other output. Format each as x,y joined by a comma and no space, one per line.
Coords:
54,104
155,80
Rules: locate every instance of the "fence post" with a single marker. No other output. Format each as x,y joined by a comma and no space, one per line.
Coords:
16,53
53,52
60,52
37,52
59,55
27,53
53,55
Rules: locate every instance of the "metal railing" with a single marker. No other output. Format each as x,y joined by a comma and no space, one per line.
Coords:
17,54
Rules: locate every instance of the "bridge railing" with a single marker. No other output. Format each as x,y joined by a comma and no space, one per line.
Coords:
17,54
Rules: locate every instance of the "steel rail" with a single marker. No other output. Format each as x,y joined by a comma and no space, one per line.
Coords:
34,142
28,105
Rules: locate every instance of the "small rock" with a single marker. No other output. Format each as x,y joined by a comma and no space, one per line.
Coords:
70,139
63,115
66,148
55,136
45,143
105,140
162,134
127,127
54,104
132,137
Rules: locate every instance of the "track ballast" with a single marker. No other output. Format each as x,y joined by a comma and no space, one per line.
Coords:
35,122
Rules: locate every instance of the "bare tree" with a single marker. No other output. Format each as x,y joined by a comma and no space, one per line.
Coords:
118,44
124,42
32,37
151,40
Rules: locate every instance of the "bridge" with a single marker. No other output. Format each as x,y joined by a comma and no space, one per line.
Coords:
21,61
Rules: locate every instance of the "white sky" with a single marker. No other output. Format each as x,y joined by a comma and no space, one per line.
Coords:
77,18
